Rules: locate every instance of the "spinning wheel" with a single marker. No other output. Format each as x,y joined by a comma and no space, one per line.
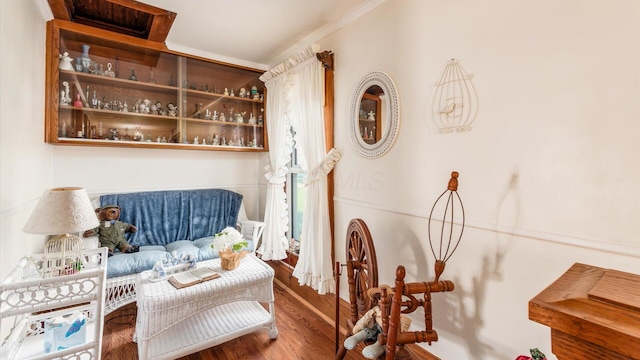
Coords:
362,273
362,267
404,297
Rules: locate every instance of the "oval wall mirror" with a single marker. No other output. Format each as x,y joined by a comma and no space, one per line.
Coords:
374,115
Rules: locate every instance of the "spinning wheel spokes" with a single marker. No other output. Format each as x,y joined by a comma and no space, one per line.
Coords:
361,263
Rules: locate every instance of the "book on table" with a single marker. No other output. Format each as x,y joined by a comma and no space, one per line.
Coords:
192,277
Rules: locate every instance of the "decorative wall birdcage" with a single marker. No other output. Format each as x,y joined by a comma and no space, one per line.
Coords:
454,104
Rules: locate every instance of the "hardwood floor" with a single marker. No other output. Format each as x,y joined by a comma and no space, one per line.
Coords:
302,334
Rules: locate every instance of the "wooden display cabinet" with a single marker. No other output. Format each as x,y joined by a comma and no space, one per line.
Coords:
154,98
370,115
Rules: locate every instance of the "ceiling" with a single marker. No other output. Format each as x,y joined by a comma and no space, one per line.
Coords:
256,33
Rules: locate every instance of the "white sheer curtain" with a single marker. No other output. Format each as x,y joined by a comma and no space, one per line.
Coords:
279,112
300,102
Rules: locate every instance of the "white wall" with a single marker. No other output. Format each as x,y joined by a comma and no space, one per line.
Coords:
549,174
25,161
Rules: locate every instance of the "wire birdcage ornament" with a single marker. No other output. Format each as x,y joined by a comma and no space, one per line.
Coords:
454,105
448,242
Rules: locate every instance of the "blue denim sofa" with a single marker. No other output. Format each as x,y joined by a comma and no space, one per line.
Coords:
183,221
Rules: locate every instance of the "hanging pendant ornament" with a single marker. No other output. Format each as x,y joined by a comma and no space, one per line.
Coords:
454,105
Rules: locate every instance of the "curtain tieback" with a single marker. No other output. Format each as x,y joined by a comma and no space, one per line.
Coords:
325,167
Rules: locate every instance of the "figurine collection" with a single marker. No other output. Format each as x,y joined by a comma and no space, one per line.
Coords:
92,99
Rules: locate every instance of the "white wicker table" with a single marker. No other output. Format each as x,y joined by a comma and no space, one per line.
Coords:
176,322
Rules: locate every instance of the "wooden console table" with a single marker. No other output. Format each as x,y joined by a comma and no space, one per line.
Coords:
593,313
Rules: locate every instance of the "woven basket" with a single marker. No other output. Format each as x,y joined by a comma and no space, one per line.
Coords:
230,264
230,260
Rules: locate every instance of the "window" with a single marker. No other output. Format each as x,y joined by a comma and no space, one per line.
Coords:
296,194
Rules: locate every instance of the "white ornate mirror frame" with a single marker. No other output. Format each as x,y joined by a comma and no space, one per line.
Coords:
390,115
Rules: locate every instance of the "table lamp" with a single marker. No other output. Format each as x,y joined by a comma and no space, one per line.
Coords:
62,211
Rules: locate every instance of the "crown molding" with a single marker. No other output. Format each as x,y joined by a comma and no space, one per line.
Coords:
324,32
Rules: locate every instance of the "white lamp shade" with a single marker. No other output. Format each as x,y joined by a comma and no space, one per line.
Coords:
62,210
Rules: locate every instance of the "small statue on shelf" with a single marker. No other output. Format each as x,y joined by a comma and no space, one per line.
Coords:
64,94
172,109
159,109
78,102
195,141
109,72
65,62
133,76
152,79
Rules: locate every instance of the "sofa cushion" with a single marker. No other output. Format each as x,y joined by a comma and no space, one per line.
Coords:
121,264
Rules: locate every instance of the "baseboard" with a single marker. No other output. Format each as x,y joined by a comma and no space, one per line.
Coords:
324,305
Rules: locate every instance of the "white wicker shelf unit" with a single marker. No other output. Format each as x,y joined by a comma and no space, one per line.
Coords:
29,300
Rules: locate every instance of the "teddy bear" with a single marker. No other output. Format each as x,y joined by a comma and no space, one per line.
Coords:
111,231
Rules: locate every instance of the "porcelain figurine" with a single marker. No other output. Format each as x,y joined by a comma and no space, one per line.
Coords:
159,108
151,80
242,93
109,72
195,141
215,141
147,106
222,118
65,62
204,142
226,91
78,102
372,115
65,99
172,109
133,76
215,115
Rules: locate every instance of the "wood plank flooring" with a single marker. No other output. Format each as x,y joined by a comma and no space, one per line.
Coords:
302,335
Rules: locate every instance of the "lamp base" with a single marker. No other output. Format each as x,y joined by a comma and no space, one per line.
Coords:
62,256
